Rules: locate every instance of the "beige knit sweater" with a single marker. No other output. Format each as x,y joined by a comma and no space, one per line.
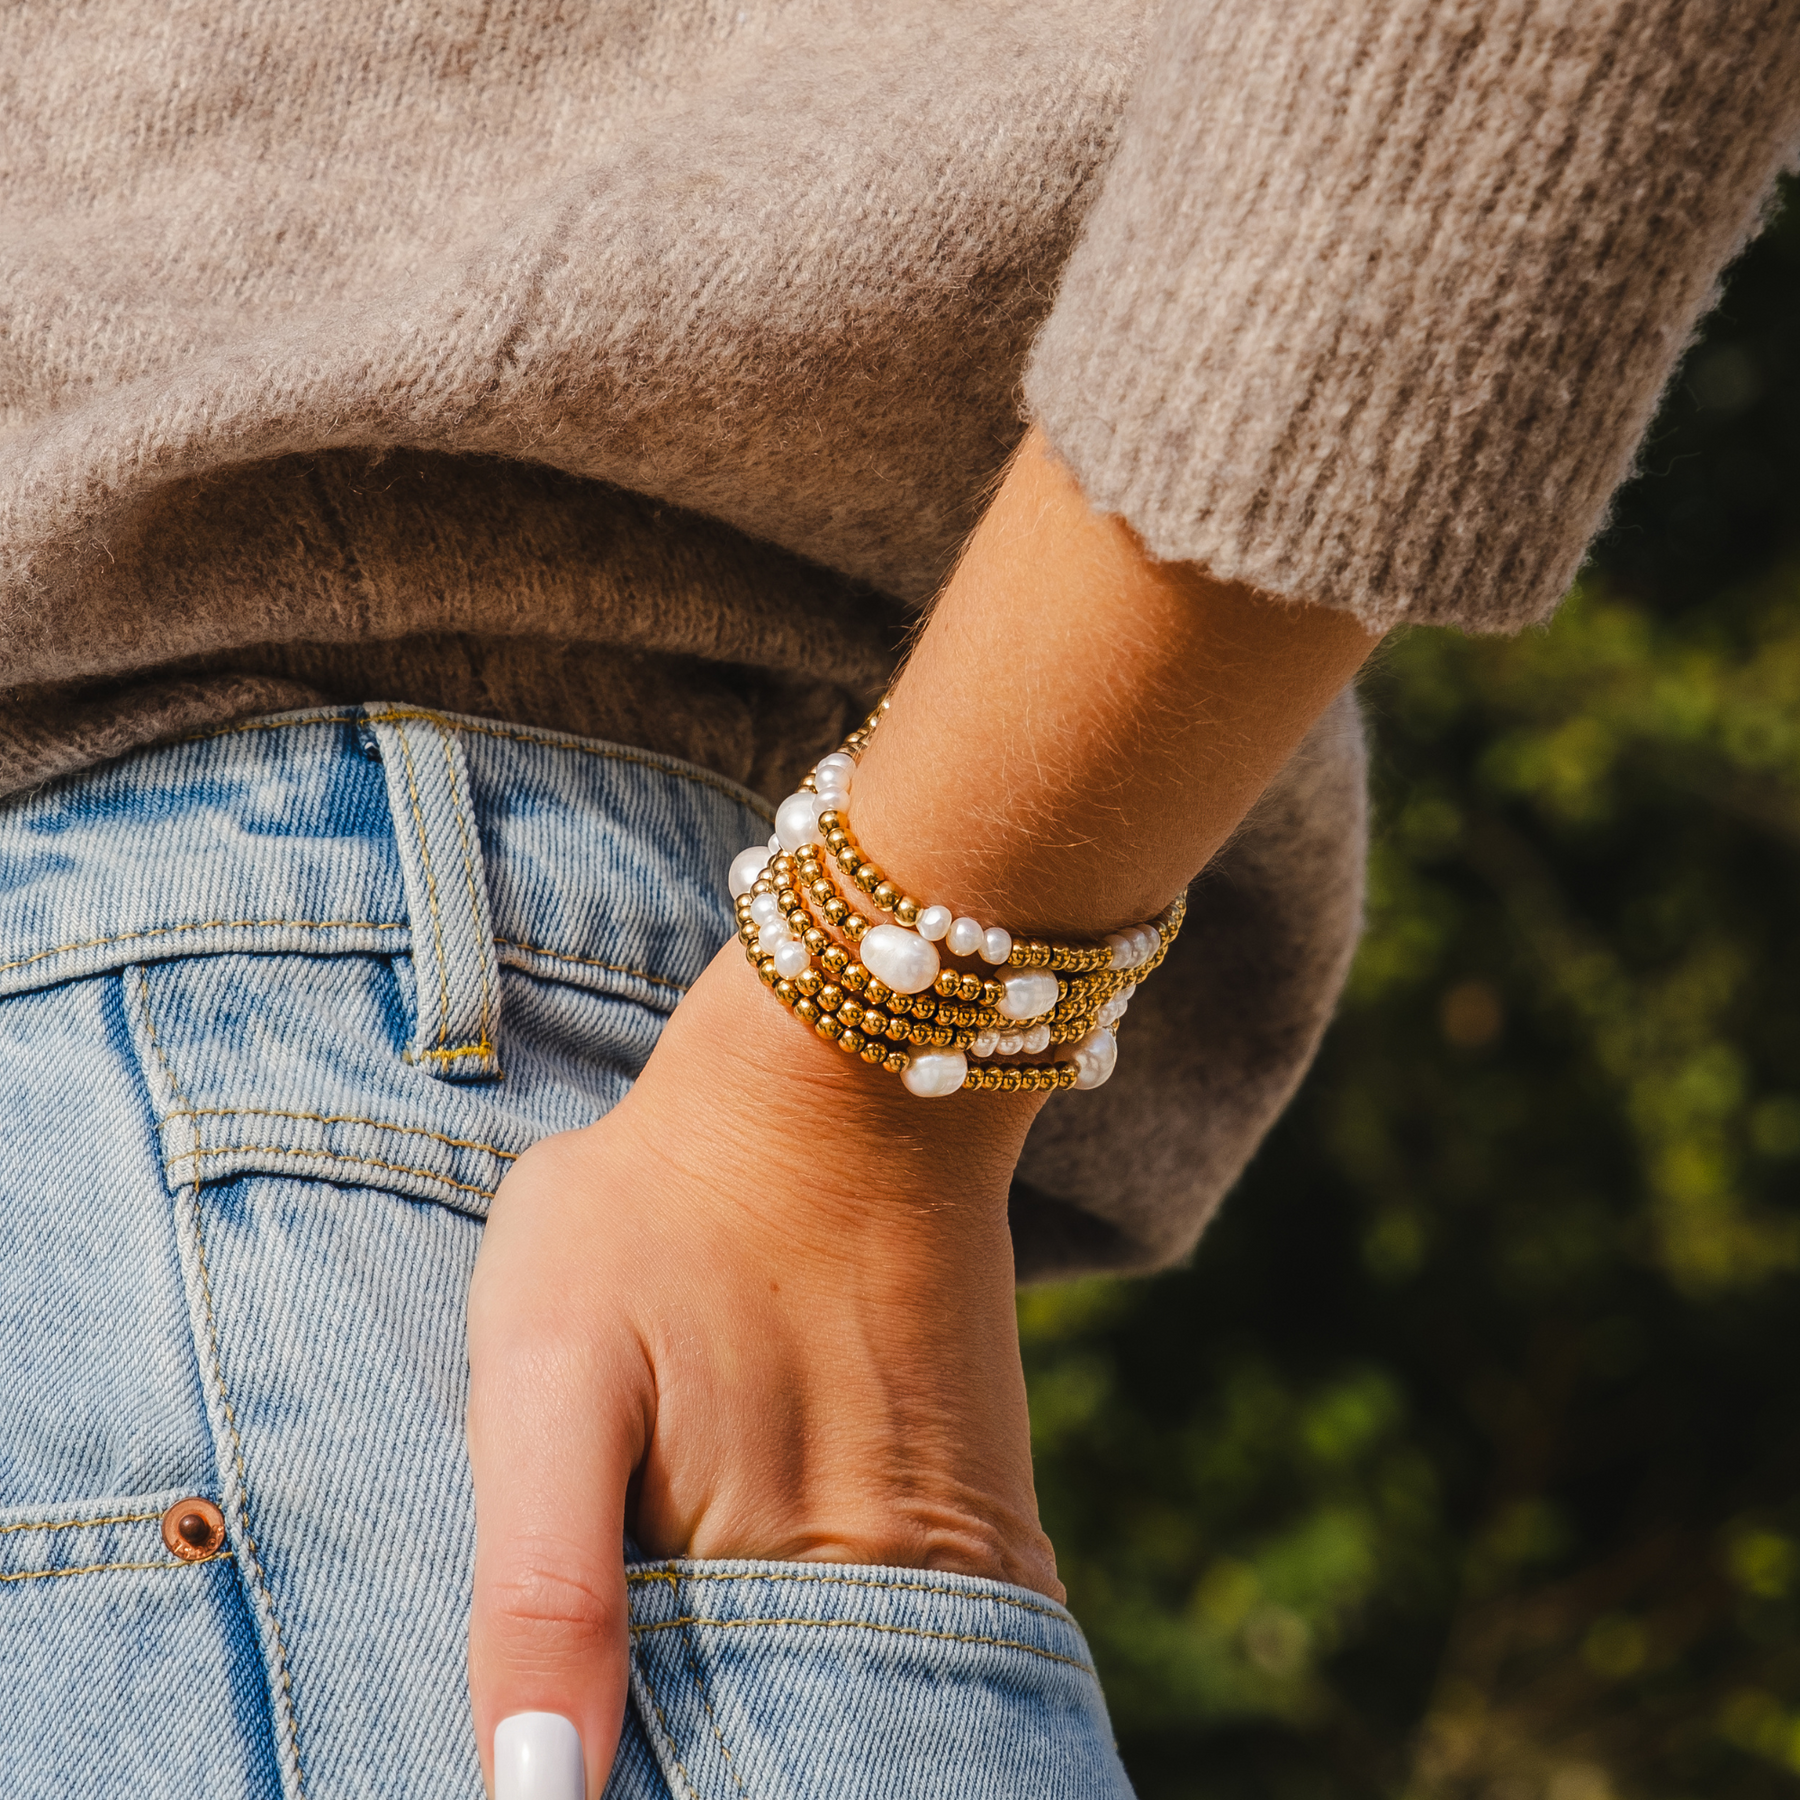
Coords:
634,367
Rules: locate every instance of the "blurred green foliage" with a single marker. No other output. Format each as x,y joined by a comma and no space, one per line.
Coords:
1465,1459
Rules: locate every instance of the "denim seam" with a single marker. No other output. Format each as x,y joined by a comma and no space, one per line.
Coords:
174,1562
362,1162
944,1637
699,777
692,1651
642,1577
687,1781
462,830
437,927
77,1524
237,1443
590,962
128,937
262,1112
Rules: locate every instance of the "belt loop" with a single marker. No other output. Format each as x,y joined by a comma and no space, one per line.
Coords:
457,1027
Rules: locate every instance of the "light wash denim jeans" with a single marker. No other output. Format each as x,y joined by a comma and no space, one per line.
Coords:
278,1007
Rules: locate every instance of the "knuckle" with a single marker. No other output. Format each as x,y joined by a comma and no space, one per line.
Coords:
537,1613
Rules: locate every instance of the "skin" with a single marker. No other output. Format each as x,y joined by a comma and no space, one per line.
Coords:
764,1308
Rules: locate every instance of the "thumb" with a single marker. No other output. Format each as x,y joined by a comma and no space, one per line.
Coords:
555,1428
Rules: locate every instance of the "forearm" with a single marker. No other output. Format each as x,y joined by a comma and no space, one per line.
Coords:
1080,728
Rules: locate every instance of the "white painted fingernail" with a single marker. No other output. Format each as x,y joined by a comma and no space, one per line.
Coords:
537,1756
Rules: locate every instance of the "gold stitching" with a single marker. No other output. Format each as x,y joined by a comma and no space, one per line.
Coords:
462,831
237,1443
945,1637
361,1162
693,1662
700,777
437,929
668,1735
258,1112
592,962
484,1048
644,1575
175,1562
77,1524
127,937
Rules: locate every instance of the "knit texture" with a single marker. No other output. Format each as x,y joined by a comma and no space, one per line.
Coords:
637,369
1379,297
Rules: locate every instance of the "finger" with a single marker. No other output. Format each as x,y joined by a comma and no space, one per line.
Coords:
555,1428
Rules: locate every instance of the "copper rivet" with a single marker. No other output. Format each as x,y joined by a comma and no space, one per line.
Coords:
194,1529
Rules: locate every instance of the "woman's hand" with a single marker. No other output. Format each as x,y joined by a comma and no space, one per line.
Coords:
764,1308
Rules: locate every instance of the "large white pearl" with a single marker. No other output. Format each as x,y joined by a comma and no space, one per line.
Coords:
904,960
996,944
765,909
1025,993
791,958
935,921
934,1072
795,822
965,937
1094,1058
745,867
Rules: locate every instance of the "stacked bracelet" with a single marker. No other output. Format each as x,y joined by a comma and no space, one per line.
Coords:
882,993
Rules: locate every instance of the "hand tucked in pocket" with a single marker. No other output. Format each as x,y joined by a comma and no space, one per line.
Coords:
763,1309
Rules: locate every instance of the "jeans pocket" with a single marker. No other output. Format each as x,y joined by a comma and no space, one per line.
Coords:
798,1679
124,1667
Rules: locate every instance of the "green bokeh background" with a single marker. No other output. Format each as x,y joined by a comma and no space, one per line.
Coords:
1465,1458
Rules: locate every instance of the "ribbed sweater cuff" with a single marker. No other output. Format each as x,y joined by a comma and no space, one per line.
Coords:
1378,298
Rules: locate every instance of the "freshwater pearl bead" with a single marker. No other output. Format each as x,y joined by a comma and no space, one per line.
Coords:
774,845
795,822
901,958
745,867
1121,947
1037,1038
835,770
829,800
1147,941
771,938
935,921
996,944
1025,993
765,909
1010,1044
932,1073
1094,1058
964,937
791,958
984,1044
1110,1012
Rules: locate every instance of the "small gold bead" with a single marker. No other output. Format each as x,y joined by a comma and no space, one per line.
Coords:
924,1006
943,1036
809,981
786,899
877,991
854,976
948,984
836,838
762,885
805,1009
828,1028
1009,1081
875,1022
849,859
786,992
828,820
852,1041
854,927
768,971
836,959
850,1011
868,877
886,896
798,921
836,910
821,890
907,912
968,987
895,1062
816,942
992,993
873,1053
830,997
